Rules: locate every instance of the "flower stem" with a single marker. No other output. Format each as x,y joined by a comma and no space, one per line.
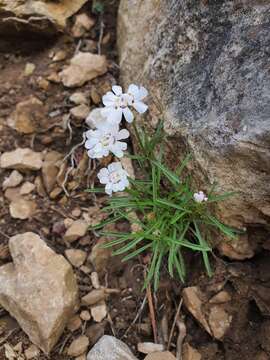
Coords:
137,135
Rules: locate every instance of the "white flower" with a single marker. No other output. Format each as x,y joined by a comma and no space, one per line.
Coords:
95,119
117,103
135,96
200,196
114,177
104,140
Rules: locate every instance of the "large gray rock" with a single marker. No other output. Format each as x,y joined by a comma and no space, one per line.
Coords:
206,66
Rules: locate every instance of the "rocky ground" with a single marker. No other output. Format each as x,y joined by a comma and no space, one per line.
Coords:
48,86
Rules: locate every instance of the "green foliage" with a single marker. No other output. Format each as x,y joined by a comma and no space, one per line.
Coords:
97,7
169,219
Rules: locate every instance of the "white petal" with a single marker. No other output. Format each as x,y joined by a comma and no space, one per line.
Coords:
115,166
115,187
122,134
108,189
128,114
140,107
116,116
117,90
116,150
133,90
91,142
123,184
142,93
104,172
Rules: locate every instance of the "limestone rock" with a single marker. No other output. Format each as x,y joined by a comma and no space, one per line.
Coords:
189,353
80,112
40,16
31,352
78,98
23,209
93,297
38,289
29,69
82,24
28,116
21,159
219,321
149,347
50,169
78,346
76,257
110,348
27,188
161,355
77,230
83,67
220,298
201,62
193,300
100,256
60,55
74,323
14,179
99,311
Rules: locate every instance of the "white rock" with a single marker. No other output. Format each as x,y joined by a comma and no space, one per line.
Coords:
83,67
149,347
21,159
14,179
110,348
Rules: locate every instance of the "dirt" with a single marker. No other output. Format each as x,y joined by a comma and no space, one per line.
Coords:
247,282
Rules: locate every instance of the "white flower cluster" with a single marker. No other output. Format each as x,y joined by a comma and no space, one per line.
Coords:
200,197
107,136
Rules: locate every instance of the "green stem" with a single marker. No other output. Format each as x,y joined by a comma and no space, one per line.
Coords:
137,135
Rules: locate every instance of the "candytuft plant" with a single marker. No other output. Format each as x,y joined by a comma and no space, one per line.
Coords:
171,218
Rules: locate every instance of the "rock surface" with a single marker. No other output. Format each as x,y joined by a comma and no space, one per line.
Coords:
189,353
21,159
193,300
37,15
28,116
77,229
205,66
38,289
78,346
76,256
83,67
21,208
149,347
110,348
161,355
14,179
